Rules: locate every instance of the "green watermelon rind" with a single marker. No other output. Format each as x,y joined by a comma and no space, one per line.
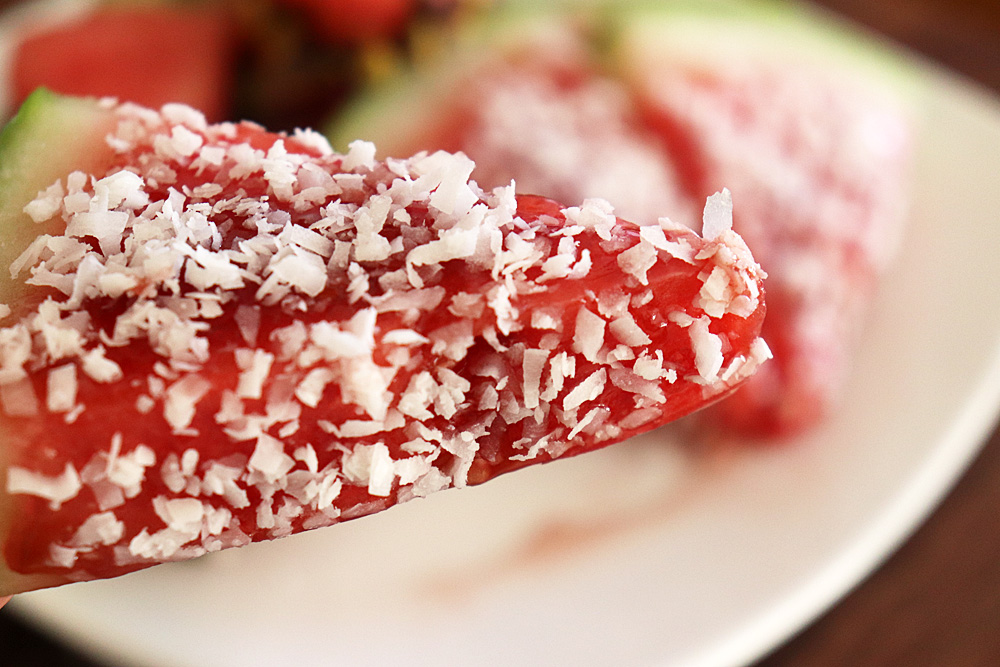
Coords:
50,136
714,34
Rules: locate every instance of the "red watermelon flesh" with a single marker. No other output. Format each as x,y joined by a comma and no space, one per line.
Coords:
151,55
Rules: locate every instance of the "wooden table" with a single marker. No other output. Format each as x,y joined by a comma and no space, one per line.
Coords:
937,600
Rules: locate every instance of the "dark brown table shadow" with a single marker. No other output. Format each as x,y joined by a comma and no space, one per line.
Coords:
936,601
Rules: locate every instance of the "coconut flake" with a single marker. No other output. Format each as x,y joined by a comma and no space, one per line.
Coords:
371,466
60,556
219,479
638,260
626,330
583,423
432,481
453,340
360,154
103,528
181,401
182,114
715,296
29,257
303,270
310,389
128,471
707,348
62,387
718,216
626,380
307,455
532,367
588,336
542,318
587,390
596,214
307,239
57,490
121,188
406,337
561,367
269,458
248,322
183,515
254,365
47,204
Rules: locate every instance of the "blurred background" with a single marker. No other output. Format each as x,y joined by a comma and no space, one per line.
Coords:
323,63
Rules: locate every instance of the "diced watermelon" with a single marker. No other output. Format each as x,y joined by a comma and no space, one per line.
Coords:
229,335
151,54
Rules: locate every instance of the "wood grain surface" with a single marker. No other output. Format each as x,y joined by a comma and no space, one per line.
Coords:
936,601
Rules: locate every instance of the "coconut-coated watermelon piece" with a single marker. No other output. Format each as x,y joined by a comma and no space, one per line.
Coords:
811,127
225,335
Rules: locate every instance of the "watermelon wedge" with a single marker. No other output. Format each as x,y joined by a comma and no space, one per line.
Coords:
654,106
223,335
811,128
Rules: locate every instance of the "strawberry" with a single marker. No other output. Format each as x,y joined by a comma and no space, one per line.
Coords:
230,335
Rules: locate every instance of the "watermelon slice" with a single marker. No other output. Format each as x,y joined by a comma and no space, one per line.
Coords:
150,54
808,127
224,335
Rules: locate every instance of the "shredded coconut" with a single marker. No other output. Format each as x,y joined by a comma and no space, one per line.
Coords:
323,335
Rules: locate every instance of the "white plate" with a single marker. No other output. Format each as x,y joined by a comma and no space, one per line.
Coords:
642,554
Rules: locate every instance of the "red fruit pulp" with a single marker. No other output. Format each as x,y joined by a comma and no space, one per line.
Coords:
151,55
